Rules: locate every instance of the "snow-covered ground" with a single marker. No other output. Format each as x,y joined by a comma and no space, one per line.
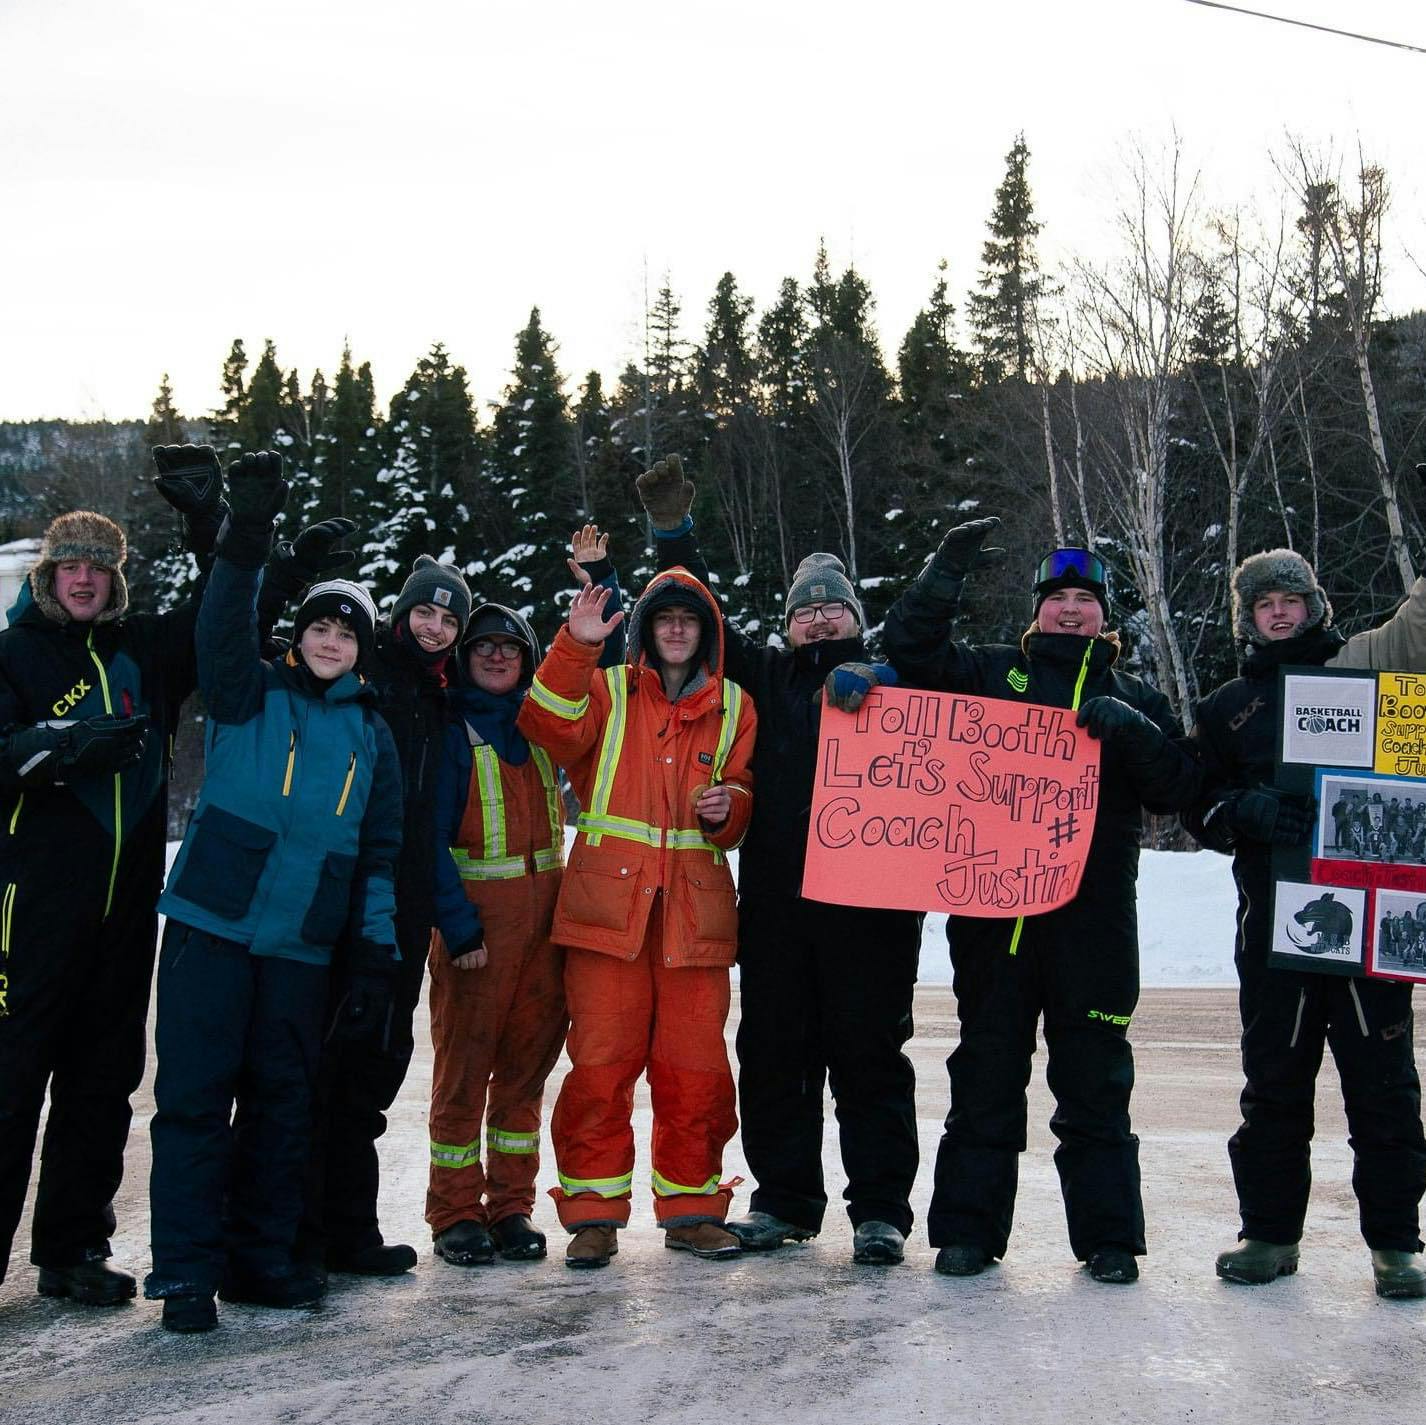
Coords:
803,1333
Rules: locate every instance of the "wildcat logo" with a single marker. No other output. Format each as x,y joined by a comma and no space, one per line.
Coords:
75,695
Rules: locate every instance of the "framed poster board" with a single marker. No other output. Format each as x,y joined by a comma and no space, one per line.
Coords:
1352,901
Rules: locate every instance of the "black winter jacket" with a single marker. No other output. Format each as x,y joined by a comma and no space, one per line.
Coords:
1236,735
1047,668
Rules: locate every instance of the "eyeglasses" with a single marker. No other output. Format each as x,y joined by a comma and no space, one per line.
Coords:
489,648
832,610
1060,562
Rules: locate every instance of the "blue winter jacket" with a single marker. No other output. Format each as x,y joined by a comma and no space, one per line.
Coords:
298,824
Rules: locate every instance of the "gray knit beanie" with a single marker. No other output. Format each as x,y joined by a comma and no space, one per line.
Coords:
818,578
440,585
1276,570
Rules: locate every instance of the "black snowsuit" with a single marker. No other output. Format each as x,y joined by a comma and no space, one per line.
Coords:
825,990
1288,1017
80,871
359,1081
1077,966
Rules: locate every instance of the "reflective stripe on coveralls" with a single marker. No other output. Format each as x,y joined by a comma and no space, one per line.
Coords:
494,864
596,823
505,1140
600,1187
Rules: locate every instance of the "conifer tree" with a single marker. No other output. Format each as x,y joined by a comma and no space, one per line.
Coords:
346,454
160,570
223,422
1003,311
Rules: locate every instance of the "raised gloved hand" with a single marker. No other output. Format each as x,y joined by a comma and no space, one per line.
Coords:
1270,815
365,1009
666,495
312,556
55,753
256,495
191,480
847,685
962,548
1138,737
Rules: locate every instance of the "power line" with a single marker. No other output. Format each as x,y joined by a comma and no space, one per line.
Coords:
1308,25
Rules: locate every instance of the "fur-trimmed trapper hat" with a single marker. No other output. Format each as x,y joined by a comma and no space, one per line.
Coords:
1276,570
81,534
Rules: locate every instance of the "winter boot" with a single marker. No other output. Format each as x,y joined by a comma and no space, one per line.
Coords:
381,1259
877,1244
704,1239
1254,1263
592,1247
92,1282
281,1287
465,1244
961,1259
762,1232
517,1240
189,1314
1398,1274
1113,1266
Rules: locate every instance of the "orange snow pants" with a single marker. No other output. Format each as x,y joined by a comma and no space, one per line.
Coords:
496,1033
628,1016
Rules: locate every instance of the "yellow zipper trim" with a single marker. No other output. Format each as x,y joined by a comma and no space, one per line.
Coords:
1074,707
291,758
118,785
7,910
15,817
347,789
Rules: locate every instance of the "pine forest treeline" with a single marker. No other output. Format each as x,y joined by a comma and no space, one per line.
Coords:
1230,383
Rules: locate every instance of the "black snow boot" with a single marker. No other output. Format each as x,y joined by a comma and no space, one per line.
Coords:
877,1244
189,1314
281,1287
92,1282
465,1244
381,1259
1113,1266
517,1240
962,1259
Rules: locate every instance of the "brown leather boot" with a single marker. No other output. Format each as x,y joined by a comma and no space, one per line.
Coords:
703,1239
592,1247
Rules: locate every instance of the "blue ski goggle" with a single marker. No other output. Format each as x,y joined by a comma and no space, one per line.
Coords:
1072,563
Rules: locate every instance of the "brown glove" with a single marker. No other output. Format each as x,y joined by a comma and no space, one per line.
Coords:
667,497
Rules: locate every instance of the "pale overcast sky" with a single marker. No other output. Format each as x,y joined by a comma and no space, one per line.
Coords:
175,173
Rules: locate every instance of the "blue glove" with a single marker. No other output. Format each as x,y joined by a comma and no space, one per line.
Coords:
848,684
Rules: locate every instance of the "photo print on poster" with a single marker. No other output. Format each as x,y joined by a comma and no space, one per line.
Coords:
1372,819
1397,949
1318,928
1328,722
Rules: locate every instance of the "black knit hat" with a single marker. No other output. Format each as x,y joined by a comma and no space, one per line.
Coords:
340,599
440,585
1282,571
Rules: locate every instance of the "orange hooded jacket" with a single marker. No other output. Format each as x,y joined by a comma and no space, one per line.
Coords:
636,762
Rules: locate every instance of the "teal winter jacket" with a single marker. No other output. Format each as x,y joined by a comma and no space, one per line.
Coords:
298,825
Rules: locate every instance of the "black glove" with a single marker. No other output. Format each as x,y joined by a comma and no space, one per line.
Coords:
191,480
256,495
1138,737
310,557
960,549
1268,814
365,1009
55,753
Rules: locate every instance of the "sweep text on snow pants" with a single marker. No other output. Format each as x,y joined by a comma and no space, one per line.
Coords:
1086,988
357,1081
825,994
237,1037
77,1000
1288,1018
496,1033
628,1016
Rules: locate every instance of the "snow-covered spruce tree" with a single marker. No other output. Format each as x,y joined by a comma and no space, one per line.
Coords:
427,479
530,494
346,455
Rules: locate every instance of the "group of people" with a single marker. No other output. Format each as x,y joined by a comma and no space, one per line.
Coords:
385,794
1372,828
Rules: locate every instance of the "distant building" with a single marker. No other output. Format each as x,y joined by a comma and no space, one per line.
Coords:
15,561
